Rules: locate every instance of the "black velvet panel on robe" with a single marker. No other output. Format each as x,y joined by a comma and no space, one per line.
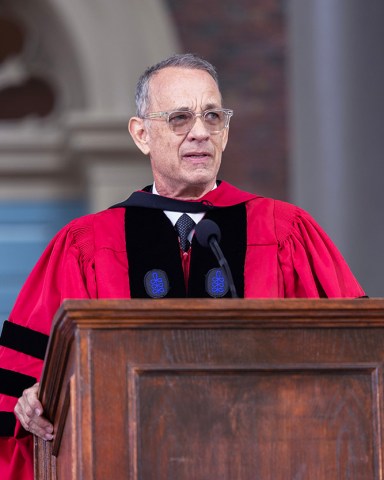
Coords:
152,243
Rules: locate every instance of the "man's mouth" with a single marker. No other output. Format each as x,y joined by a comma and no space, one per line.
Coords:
197,155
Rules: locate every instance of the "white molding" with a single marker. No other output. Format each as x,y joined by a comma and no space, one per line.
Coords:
96,50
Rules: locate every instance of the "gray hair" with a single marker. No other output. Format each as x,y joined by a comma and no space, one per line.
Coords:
184,60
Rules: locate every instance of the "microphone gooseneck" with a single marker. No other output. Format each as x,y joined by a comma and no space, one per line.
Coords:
208,235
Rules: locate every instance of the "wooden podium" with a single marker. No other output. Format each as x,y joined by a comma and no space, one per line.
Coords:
214,390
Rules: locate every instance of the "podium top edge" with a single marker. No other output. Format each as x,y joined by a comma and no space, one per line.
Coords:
223,304
198,309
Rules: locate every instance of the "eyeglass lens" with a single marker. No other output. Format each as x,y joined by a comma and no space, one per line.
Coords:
182,122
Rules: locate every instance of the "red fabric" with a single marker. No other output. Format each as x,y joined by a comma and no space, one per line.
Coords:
186,263
16,456
288,255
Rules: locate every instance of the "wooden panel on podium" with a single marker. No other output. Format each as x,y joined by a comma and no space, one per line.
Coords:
214,389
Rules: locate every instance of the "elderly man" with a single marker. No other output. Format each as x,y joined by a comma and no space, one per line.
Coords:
274,249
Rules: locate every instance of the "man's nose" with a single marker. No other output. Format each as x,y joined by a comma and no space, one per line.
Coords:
199,129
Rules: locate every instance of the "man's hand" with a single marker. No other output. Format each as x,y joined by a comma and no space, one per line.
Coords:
29,411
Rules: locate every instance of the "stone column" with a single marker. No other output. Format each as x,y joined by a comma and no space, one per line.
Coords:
337,132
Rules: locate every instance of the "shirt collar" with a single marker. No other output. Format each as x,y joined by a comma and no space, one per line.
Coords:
174,216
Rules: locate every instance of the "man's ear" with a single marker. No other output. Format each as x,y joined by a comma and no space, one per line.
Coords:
136,128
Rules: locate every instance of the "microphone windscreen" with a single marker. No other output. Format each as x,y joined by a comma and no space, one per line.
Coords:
206,229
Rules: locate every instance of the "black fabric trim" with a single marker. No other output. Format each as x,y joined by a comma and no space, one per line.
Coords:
7,424
152,243
24,340
14,383
146,200
232,222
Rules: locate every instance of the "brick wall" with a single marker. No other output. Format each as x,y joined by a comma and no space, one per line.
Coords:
246,41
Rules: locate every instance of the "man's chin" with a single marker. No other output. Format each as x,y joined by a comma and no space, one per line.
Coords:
200,180
200,174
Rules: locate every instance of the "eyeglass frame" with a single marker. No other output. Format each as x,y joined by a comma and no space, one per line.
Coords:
165,115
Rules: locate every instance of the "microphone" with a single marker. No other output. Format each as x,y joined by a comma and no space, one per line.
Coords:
208,234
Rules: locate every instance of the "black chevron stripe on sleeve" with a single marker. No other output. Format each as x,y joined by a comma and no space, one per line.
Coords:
7,424
24,340
14,383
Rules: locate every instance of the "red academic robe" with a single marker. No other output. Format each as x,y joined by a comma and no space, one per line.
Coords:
287,255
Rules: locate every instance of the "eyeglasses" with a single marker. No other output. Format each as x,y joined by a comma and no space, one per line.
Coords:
182,121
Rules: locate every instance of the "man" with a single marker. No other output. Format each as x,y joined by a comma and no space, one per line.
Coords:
274,249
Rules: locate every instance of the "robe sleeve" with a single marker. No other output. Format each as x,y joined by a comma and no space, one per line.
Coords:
310,263
65,270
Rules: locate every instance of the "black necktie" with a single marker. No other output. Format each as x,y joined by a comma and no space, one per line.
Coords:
184,225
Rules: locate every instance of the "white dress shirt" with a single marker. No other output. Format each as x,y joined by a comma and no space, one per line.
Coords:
174,216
